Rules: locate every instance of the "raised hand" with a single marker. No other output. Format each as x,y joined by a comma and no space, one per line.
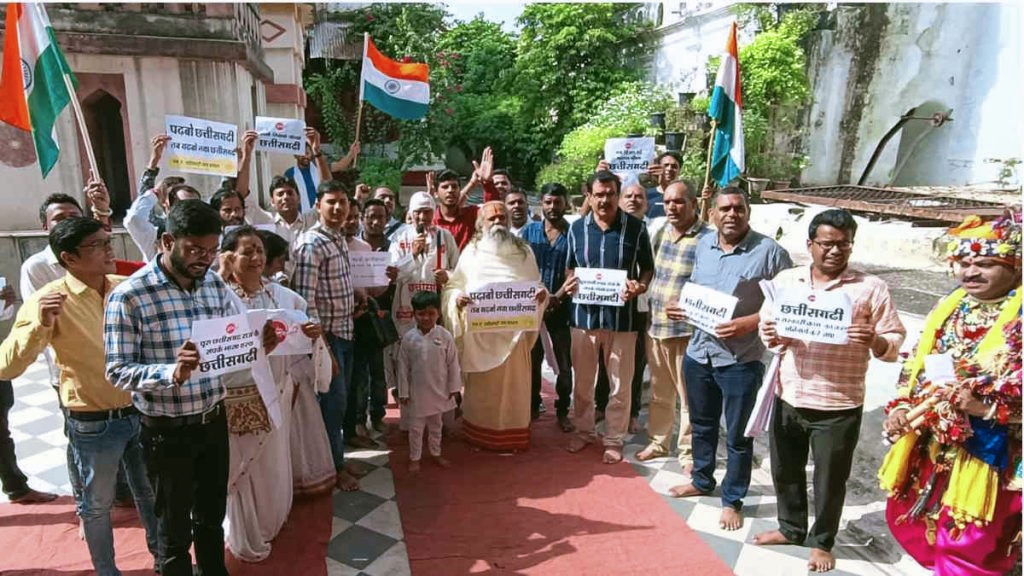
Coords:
157,145
50,307
96,192
485,169
249,140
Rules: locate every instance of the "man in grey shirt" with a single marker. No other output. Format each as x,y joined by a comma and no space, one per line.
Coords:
723,370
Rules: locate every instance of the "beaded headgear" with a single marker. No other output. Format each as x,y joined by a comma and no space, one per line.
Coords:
976,238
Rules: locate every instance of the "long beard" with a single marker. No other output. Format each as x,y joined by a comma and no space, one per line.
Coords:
500,239
499,235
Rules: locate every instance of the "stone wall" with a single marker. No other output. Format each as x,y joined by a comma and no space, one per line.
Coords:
873,64
883,60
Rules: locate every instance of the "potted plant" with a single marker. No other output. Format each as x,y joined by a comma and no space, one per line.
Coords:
676,119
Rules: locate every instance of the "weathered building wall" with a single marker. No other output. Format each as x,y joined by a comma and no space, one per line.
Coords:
201,60
878,62
686,41
884,59
154,87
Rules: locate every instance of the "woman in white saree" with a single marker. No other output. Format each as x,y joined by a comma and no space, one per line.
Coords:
260,480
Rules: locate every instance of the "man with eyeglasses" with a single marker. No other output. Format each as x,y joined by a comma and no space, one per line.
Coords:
822,388
103,426
148,324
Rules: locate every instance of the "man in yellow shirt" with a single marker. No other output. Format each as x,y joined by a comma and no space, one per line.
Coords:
103,426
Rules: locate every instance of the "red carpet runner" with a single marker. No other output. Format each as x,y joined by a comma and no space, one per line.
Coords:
544,511
42,539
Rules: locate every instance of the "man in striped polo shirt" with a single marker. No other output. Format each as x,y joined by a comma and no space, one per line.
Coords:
606,238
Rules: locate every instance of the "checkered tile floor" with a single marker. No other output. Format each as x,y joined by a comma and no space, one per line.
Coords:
367,538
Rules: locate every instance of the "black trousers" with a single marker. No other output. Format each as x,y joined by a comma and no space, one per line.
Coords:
188,469
637,386
832,437
560,339
15,484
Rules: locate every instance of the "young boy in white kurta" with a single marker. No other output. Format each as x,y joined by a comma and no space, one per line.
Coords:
428,377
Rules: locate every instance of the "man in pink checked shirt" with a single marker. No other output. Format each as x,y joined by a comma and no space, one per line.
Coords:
821,389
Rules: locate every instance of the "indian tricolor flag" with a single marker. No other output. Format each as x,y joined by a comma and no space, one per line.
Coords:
726,110
32,88
398,89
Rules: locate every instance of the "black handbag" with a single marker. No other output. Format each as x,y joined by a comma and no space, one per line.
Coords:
374,328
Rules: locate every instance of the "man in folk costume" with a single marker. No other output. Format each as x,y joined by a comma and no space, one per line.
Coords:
954,472
495,365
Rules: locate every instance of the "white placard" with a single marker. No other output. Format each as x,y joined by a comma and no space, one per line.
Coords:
629,157
369,269
601,286
281,135
706,308
225,344
288,327
812,315
938,368
201,146
503,307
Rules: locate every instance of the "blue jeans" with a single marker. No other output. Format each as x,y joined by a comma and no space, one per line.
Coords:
709,392
99,448
334,402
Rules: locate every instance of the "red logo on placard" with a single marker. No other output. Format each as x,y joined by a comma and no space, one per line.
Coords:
281,329
629,145
230,329
279,126
598,276
811,298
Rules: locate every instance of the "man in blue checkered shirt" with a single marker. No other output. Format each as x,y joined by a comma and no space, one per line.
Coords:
184,429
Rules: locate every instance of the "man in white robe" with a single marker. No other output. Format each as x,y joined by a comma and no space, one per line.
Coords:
423,255
495,365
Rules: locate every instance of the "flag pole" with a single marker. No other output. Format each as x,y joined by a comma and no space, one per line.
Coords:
359,113
82,129
359,122
707,170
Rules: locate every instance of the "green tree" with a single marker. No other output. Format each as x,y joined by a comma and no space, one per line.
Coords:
571,58
627,112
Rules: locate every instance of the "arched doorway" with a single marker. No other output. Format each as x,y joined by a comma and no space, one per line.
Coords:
106,130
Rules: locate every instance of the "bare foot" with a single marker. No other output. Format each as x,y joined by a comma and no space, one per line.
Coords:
441,461
612,455
650,453
577,444
731,519
821,561
414,467
771,538
346,482
686,491
356,469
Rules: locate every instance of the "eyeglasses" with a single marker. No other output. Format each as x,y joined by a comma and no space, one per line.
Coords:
828,246
107,244
197,252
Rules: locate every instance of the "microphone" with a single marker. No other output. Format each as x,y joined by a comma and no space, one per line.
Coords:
420,229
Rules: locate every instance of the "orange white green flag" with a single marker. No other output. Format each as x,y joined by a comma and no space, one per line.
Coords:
399,89
32,88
